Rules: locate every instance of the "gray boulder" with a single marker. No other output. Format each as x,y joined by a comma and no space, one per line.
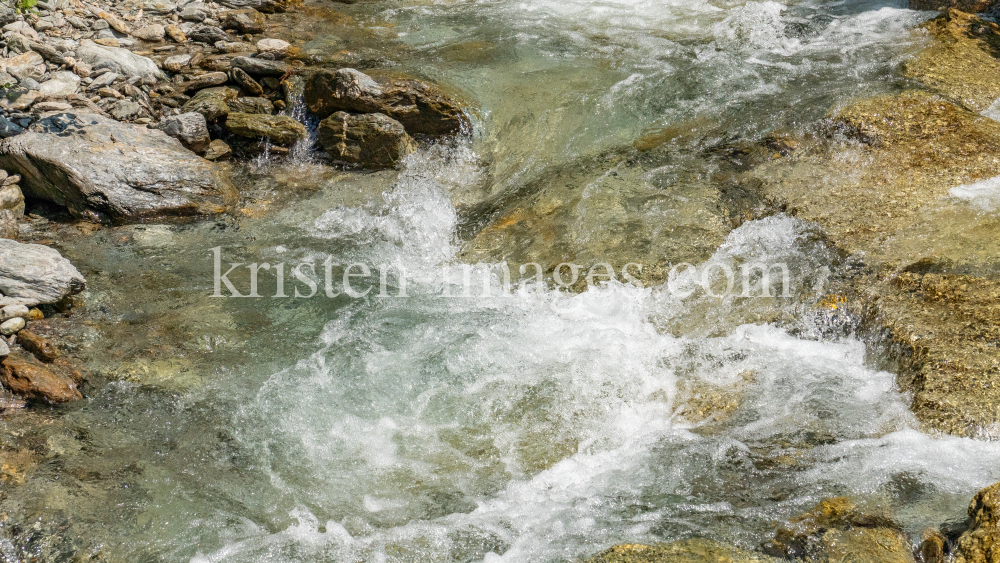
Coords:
190,129
102,170
265,6
373,141
61,85
121,61
32,274
261,67
8,128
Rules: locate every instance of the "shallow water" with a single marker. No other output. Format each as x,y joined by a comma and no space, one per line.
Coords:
530,425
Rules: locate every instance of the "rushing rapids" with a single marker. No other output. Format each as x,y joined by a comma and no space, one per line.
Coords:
533,423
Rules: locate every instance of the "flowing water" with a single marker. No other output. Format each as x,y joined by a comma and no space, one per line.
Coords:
529,425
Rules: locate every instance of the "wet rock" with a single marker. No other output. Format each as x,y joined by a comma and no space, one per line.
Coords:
152,33
961,61
102,170
281,129
981,543
61,85
373,141
191,129
211,103
932,547
32,274
265,6
421,107
244,21
36,382
262,67
38,346
971,6
11,326
252,105
208,34
243,80
836,532
120,61
218,150
697,550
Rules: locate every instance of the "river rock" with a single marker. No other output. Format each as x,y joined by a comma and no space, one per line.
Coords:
281,129
218,150
40,347
836,532
208,34
175,33
125,110
373,141
252,105
211,103
195,12
4,350
32,274
191,129
14,311
277,47
243,80
265,6
8,128
103,170
244,21
981,543
121,61
61,85
35,381
12,199
419,106
176,63
696,550
26,65
262,67
11,326
206,80
153,33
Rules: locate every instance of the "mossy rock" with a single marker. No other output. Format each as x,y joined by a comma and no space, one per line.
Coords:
696,550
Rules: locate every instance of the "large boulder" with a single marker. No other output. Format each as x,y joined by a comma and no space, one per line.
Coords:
422,108
32,274
121,61
105,171
373,141
981,543
280,129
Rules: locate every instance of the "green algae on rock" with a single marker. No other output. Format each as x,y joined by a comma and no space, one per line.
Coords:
696,550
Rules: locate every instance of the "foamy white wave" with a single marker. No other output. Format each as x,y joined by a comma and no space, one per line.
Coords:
984,195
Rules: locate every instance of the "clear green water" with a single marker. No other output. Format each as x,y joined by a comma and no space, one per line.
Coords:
536,426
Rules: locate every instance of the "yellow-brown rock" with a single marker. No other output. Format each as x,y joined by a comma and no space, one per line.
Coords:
685,551
981,543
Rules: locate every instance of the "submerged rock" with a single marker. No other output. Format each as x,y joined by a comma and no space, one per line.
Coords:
373,141
32,274
34,381
281,129
835,532
102,170
960,63
981,543
695,550
421,107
